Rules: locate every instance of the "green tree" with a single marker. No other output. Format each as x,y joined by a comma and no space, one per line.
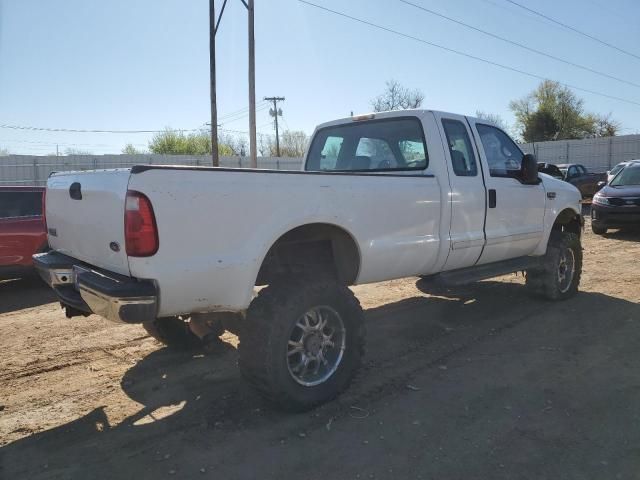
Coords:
4,152
554,112
77,151
174,142
397,97
129,149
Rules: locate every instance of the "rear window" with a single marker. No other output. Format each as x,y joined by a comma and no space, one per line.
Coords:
377,145
20,204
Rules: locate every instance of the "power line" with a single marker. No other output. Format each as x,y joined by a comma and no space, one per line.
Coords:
72,130
573,29
517,44
463,54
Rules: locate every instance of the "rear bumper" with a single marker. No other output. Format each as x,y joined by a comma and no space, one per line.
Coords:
89,290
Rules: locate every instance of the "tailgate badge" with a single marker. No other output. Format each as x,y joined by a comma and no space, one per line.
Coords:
115,246
53,232
551,195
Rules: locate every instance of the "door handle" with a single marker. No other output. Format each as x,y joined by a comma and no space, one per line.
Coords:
492,198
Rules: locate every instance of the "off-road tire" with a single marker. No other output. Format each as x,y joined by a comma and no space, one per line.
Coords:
266,332
173,332
543,281
598,230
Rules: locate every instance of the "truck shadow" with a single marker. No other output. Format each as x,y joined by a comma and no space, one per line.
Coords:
20,293
627,235
191,403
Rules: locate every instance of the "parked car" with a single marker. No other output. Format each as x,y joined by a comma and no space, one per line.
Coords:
382,196
617,205
576,175
22,230
614,171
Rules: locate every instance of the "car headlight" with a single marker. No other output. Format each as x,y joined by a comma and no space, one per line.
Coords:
600,199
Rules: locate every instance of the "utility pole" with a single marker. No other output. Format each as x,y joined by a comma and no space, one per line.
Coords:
275,113
252,88
212,75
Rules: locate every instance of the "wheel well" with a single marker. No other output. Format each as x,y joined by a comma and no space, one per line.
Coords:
568,221
317,247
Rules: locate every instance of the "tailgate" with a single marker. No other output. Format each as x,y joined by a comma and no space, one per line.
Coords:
85,217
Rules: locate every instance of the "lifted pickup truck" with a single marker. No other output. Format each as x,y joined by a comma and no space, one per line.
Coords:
577,175
382,196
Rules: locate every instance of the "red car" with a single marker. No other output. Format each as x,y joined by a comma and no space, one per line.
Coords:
22,229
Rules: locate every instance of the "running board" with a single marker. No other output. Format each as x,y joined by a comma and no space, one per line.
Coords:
464,276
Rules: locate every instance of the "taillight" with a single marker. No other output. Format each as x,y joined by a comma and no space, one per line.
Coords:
140,230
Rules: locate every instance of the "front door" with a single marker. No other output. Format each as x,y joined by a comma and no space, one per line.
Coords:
515,212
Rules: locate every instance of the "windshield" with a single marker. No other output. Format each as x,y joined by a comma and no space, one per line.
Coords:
616,169
628,176
375,145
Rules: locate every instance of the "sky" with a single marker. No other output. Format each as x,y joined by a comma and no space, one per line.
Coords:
144,64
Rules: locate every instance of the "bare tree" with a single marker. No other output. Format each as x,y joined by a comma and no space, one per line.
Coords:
397,97
494,118
4,152
292,144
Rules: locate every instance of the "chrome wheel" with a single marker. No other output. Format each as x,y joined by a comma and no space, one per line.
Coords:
566,269
316,346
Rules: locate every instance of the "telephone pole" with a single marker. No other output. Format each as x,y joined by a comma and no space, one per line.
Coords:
212,76
213,30
252,87
275,113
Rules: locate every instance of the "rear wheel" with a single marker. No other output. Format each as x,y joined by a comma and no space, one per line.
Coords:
558,276
302,342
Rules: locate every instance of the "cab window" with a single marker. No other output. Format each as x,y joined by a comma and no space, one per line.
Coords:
463,160
20,204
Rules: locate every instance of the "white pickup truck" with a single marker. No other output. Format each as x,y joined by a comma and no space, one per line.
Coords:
381,196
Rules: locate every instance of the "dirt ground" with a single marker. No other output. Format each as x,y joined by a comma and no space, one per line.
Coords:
477,382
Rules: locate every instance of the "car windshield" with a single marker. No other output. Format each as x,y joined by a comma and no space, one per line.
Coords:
617,168
627,176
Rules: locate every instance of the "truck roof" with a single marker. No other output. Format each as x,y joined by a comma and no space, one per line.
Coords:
417,112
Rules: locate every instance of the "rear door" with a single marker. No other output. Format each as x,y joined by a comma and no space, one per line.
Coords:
467,192
85,217
515,212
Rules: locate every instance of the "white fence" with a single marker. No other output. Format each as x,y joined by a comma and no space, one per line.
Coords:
29,170
597,154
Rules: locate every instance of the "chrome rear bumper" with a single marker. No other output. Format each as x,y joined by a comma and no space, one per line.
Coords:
88,290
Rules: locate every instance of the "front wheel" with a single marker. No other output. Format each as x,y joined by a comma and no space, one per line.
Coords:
558,276
302,342
598,230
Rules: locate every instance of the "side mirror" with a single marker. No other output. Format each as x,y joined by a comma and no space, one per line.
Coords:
529,170
601,184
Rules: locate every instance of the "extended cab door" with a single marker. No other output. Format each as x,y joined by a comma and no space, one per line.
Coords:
467,191
515,212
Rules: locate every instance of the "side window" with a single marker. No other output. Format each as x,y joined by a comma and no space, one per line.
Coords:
20,204
573,172
462,158
581,170
503,155
330,152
